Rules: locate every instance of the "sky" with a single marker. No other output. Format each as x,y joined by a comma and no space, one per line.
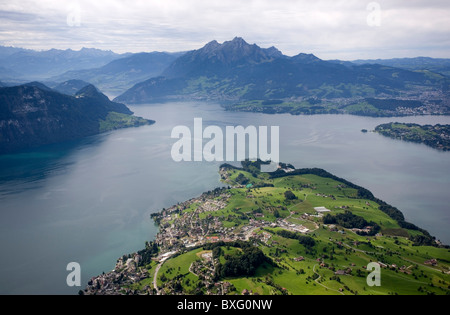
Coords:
330,29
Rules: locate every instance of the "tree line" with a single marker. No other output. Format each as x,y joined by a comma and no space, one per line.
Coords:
241,265
306,241
349,220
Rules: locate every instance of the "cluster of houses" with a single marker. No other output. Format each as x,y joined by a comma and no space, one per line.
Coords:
180,228
431,262
292,226
403,269
366,229
116,282
326,196
262,236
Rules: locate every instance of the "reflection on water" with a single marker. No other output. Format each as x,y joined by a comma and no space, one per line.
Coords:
89,201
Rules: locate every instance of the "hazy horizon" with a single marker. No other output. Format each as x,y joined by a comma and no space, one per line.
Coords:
174,52
345,30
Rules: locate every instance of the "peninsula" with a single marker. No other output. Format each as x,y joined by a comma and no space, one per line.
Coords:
291,232
437,136
33,115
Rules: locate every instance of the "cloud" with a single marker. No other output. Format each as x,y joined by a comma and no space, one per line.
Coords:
329,29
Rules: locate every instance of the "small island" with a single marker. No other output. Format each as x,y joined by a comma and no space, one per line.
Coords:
437,136
291,232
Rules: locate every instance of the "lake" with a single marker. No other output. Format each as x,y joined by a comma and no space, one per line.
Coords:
89,201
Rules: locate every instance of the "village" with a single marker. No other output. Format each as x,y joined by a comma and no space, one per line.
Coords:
181,227
185,226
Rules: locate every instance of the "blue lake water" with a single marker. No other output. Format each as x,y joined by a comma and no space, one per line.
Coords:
89,201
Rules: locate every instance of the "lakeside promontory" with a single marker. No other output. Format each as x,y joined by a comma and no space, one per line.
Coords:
291,232
437,136
32,115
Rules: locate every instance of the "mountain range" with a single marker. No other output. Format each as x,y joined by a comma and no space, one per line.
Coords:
33,114
237,71
438,65
121,74
29,64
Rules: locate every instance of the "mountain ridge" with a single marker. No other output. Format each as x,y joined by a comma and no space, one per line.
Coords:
121,74
38,65
220,56
33,114
237,71
438,65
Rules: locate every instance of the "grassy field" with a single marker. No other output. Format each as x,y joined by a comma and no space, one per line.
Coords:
179,267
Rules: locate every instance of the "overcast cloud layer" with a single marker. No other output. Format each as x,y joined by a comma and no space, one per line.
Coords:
330,29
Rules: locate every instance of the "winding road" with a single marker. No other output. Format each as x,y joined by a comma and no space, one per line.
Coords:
317,281
155,276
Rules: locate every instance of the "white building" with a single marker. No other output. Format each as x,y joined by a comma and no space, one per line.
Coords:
322,209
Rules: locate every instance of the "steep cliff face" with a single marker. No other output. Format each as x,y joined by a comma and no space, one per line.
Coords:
33,115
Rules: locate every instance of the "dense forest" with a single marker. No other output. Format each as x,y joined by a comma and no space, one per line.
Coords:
244,264
349,220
